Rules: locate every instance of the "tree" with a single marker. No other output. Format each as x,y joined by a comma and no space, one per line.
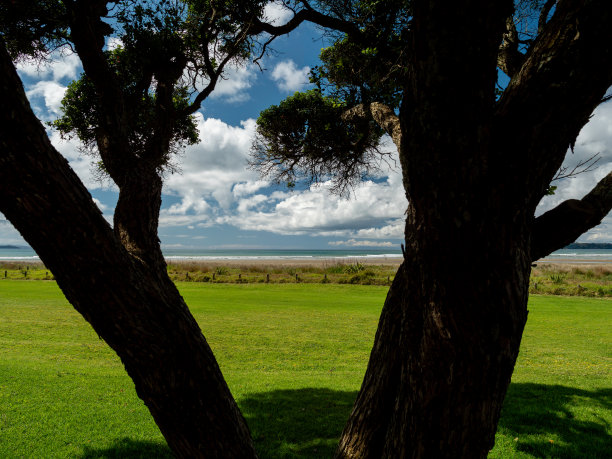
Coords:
476,160
132,108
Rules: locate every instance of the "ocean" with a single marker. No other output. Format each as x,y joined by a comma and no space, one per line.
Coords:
564,255
27,254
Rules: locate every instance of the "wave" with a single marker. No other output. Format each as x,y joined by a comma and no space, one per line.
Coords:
280,257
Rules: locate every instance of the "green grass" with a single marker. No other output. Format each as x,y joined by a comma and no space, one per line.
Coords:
294,356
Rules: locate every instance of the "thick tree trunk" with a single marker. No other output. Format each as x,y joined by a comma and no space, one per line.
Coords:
441,370
137,217
138,313
446,346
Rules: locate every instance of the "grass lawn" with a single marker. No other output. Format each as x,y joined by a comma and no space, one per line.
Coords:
294,356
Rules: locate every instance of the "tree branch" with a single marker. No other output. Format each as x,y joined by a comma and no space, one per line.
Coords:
88,33
564,78
382,114
562,225
510,59
544,15
306,15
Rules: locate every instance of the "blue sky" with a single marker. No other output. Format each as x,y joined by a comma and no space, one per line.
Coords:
215,202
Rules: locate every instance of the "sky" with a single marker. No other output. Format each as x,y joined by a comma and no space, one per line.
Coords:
215,202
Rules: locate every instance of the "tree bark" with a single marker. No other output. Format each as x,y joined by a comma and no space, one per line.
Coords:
136,217
141,316
446,346
474,170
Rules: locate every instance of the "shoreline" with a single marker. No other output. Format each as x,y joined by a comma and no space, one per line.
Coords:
275,261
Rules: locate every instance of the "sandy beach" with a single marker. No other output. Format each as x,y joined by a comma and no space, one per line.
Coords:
288,262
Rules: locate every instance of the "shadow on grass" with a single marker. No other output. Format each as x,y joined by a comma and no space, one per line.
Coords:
304,423
307,423
539,413
127,447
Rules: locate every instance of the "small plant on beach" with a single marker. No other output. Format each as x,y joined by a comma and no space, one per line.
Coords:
354,268
557,278
221,271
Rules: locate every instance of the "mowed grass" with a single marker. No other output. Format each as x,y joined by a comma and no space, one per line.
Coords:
294,356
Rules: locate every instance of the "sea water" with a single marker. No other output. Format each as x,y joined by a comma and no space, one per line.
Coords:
27,254
564,255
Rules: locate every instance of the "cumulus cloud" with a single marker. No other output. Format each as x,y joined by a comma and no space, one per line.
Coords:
214,174
216,187
81,164
61,65
237,79
288,77
51,92
372,210
112,43
8,234
276,13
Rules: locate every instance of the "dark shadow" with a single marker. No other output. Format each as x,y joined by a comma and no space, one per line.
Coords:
546,411
126,447
304,423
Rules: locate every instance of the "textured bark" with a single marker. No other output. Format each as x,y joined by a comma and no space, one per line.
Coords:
474,170
137,217
509,58
546,104
140,315
366,429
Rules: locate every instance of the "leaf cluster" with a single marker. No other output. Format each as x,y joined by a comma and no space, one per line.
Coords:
82,115
33,28
306,137
167,57
368,67
309,136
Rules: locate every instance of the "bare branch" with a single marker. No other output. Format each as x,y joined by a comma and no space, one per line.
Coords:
306,15
583,166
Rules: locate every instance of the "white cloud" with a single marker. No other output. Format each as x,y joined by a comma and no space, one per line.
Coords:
8,234
371,212
357,243
51,92
61,65
595,137
217,188
248,187
288,77
113,43
215,174
276,13
103,207
81,164
237,79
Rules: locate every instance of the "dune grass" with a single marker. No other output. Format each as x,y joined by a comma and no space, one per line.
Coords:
293,356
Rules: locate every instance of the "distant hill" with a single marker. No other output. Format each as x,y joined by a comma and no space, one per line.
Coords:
590,245
9,247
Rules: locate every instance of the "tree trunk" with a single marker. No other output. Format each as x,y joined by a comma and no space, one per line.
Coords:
137,217
452,324
446,346
138,313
